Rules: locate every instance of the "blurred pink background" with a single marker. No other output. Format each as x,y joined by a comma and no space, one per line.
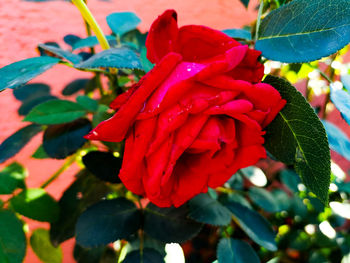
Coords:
26,24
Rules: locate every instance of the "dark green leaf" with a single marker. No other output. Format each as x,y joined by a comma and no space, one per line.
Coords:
147,242
103,165
55,112
291,180
148,255
297,136
63,140
122,22
245,2
205,209
255,226
12,177
87,103
107,221
75,86
264,199
85,191
305,30
235,251
298,207
17,141
19,73
338,140
37,204
63,54
40,153
341,100
12,238
29,104
90,42
169,224
42,247
88,255
29,91
282,199
71,39
238,33
112,58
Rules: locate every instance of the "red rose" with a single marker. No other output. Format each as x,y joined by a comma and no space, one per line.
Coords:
195,118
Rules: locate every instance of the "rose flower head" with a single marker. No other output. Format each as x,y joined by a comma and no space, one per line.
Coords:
194,119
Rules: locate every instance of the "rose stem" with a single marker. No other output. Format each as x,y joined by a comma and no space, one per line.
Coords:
89,18
64,167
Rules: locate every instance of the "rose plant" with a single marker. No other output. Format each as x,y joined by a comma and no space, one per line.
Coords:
190,143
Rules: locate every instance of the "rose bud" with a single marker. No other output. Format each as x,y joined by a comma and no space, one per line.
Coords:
194,119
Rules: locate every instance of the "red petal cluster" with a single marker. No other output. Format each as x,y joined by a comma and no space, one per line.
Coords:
194,119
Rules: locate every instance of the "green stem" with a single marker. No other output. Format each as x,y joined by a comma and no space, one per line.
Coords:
261,7
88,17
53,177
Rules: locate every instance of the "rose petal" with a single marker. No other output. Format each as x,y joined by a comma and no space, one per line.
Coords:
231,108
136,145
162,36
115,128
123,98
196,43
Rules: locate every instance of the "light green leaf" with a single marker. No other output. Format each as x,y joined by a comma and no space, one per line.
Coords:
42,247
19,73
64,54
55,112
297,136
12,177
122,22
121,57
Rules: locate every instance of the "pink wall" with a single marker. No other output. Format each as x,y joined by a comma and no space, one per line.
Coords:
25,24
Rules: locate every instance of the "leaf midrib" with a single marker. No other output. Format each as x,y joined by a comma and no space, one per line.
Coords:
302,33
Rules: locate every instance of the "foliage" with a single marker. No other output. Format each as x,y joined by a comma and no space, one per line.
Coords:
259,215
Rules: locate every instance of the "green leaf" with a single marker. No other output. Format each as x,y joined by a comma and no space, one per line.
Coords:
107,221
148,255
264,199
104,165
341,100
75,86
88,255
169,224
19,73
42,247
297,136
238,33
28,91
55,112
87,103
13,144
12,177
305,30
12,239
37,204
122,22
146,64
235,251
245,2
40,153
90,42
32,102
63,54
121,57
338,140
291,180
254,225
85,191
62,140
205,209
